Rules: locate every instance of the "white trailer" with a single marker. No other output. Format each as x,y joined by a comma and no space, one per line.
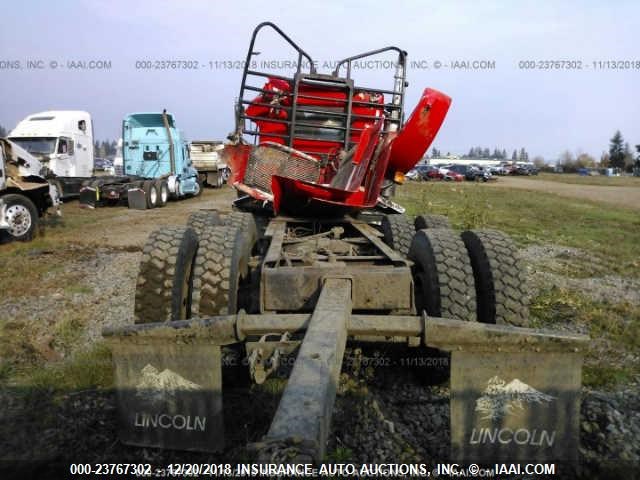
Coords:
208,159
25,195
63,141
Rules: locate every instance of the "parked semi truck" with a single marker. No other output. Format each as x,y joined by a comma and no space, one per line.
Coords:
208,159
62,140
25,195
155,165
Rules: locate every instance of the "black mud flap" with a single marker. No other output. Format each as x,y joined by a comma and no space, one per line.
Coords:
169,396
90,197
137,199
515,406
515,392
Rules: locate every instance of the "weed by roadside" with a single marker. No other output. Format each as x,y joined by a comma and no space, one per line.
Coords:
614,329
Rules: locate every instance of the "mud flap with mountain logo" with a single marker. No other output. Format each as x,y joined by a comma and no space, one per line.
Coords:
169,395
515,392
515,406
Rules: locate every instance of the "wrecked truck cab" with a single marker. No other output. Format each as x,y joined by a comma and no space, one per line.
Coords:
25,195
63,142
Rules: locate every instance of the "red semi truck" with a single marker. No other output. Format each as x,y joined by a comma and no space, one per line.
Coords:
315,255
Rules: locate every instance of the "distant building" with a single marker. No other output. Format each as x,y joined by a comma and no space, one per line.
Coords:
467,161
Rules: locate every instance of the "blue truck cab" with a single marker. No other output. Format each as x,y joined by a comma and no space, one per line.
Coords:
156,165
154,148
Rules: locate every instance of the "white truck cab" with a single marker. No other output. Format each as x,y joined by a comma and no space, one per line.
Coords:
63,141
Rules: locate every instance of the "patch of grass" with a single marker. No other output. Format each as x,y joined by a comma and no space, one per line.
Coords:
6,370
16,351
21,273
273,386
614,330
38,268
620,322
466,207
534,218
340,455
474,211
617,322
75,219
33,355
85,369
78,288
575,265
600,180
352,386
68,331
557,306
601,376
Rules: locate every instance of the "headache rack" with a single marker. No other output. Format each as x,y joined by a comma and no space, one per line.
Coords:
317,114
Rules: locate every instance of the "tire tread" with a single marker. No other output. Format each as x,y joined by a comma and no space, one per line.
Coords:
501,282
165,256
449,291
398,232
216,272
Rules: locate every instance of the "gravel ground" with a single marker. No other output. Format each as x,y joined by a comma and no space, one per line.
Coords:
103,297
543,261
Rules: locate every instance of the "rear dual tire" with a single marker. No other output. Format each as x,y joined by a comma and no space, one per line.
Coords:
202,219
164,284
398,232
430,221
398,229
174,282
156,193
442,274
219,267
221,282
500,280
476,276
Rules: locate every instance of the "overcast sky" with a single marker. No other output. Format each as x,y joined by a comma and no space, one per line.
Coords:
546,111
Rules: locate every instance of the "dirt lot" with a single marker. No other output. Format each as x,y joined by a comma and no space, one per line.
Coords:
614,195
121,227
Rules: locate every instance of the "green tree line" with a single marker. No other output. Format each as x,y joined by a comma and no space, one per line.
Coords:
104,149
619,155
486,153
